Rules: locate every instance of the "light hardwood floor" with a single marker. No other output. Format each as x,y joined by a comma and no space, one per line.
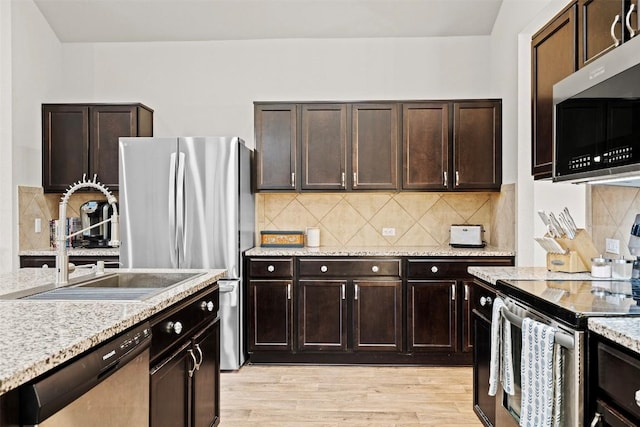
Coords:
358,396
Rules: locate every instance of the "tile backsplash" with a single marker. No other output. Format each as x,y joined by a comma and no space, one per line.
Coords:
344,219
613,211
419,219
34,203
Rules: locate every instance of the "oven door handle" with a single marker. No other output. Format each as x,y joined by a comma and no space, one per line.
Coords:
565,340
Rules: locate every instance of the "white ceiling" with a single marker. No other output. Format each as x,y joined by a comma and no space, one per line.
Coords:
192,20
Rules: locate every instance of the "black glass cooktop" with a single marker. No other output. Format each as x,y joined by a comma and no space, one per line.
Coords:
573,301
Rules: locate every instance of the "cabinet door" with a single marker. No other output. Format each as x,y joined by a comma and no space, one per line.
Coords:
377,315
477,145
554,56
108,123
467,308
374,146
432,315
170,390
322,320
324,146
270,315
425,143
206,379
483,404
65,145
598,18
276,147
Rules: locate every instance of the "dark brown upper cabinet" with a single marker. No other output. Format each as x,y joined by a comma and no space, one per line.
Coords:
604,26
324,146
80,139
425,146
452,145
447,145
554,56
374,146
276,146
477,146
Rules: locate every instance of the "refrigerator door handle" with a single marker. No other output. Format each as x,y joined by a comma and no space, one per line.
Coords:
181,234
172,211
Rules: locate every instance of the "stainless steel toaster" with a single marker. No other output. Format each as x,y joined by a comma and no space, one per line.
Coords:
466,235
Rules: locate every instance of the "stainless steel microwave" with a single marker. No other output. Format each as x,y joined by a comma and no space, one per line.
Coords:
597,119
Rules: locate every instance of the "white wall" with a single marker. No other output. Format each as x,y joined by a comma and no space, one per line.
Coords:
6,179
30,73
207,88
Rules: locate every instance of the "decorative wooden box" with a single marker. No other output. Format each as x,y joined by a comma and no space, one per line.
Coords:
282,239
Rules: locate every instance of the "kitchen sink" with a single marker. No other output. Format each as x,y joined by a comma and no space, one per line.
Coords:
109,287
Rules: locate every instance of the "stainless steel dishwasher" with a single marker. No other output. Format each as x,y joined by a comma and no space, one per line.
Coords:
107,387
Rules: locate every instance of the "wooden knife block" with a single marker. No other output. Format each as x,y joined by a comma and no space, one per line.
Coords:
578,258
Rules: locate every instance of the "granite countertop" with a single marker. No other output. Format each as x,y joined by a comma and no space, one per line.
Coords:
73,252
621,330
418,251
493,274
40,335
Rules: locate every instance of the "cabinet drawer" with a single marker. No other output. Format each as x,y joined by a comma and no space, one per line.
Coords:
278,267
483,298
619,377
450,268
350,267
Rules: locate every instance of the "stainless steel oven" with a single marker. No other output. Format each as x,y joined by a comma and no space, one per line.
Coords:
571,344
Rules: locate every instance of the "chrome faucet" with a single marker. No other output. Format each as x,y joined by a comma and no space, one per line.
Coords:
62,256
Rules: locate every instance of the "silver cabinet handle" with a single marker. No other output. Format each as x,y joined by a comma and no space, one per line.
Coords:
357,289
457,179
355,179
434,269
289,291
466,292
195,362
616,41
344,291
324,268
485,301
271,269
342,180
638,397
201,357
453,292
596,420
444,179
632,31
375,269
207,306
293,180
173,328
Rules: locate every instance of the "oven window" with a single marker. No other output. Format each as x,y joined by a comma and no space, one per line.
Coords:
512,402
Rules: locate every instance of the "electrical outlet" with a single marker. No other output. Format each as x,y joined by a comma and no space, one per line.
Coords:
612,246
37,225
388,231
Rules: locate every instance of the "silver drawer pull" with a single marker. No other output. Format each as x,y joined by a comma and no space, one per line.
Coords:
434,269
485,301
271,269
324,268
616,40
632,31
638,397
596,420
375,268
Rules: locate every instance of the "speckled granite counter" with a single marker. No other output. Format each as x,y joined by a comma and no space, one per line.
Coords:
418,251
73,252
493,274
39,335
624,331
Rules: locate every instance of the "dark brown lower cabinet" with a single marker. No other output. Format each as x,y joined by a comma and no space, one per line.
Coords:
481,299
270,315
185,387
432,315
50,261
358,315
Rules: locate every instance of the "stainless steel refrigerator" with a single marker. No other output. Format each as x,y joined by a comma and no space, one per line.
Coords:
186,202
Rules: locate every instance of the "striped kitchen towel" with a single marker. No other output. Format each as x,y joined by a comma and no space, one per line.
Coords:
496,347
537,374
